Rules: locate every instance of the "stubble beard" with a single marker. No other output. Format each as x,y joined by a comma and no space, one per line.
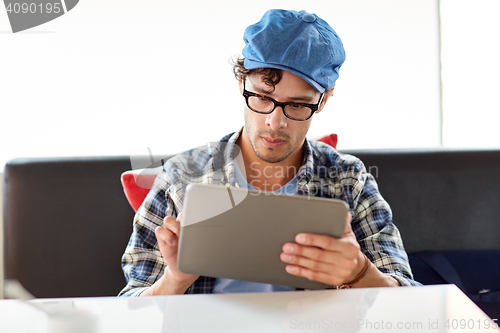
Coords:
254,135
271,159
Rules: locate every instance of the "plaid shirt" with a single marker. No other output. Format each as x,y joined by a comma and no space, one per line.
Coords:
324,173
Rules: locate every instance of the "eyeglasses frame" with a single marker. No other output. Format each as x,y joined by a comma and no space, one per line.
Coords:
313,107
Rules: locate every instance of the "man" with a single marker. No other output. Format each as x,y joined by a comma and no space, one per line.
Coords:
291,62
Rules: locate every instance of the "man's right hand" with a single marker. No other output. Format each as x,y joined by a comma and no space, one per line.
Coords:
173,281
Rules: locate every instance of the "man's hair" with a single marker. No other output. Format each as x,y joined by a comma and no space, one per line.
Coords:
270,76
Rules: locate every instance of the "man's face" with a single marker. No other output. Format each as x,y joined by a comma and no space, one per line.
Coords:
273,136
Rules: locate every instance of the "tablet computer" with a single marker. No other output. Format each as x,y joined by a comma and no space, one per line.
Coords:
238,233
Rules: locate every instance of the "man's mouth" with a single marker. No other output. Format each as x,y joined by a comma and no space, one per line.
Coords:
271,142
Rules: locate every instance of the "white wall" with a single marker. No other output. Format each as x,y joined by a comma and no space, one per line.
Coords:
471,72
118,76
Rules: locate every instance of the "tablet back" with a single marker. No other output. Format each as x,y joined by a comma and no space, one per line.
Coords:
238,234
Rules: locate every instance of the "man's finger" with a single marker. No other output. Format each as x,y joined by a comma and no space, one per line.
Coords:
311,252
313,275
165,236
306,262
348,227
344,245
172,224
321,241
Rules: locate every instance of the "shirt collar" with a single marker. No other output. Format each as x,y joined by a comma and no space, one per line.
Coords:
232,151
305,173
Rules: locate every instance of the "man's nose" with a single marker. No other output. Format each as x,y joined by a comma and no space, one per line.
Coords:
277,119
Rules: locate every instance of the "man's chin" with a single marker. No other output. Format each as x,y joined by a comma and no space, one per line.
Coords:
273,157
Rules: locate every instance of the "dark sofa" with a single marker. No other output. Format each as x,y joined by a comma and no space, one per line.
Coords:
67,221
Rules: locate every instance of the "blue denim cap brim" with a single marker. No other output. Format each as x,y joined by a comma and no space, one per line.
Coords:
298,42
251,64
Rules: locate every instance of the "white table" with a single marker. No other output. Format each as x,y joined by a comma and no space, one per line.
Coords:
441,308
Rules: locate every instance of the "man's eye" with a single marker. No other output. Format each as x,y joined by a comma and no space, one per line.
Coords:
296,106
262,98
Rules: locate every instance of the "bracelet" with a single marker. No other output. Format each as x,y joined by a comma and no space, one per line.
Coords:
358,277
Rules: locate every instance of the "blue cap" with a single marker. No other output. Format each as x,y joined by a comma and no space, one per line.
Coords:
298,42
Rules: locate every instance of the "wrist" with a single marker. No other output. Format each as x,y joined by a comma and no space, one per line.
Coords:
375,278
365,264
167,285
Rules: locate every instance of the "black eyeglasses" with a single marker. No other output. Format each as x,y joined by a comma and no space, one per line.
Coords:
265,105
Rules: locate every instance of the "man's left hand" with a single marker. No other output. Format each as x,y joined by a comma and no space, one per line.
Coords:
325,259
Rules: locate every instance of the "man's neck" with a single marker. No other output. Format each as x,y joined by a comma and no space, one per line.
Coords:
263,175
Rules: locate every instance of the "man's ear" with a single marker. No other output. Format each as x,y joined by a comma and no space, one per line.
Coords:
240,83
328,93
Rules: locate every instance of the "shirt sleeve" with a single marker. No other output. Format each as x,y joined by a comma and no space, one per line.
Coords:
142,262
377,235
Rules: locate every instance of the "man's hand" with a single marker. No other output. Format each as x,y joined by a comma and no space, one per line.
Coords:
323,258
173,281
